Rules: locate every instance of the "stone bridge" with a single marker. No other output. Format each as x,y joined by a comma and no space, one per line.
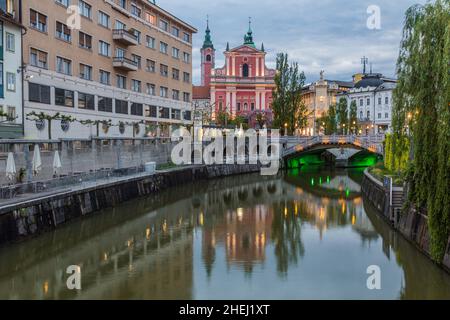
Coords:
297,145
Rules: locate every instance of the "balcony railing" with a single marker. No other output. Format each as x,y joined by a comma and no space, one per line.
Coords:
125,37
125,64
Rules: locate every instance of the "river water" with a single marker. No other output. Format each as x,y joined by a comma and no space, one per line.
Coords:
304,234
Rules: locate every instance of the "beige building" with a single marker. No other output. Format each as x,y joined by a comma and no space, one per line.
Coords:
318,97
118,68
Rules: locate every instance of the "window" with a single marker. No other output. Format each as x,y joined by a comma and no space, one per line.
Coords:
187,115
103,19
63,97
137,59
104,104
245,71
386,115
164,113
105,77
164,70
164,25
11,111
361,115
186,97
137,34
186,37
368,101
38,21
175,32
135,11
85,41
175,53
150,42
379,115
38,58
86,101
238,106
85,9
208,58
10,42
176,114
151,66
368,114
163,92
137,109
10,81
186,77
186,57
386,100
63,66
175,94
151,111
151,89
121,106
163,47
379,100
85,72
64,3
123,3
121,82
63,32
38,93
135,85
252,106
150,18
104,48
361,102
120,53
175,74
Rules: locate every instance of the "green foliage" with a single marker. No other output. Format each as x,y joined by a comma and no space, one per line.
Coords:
421,115
328,122
396,159
287,103
342,115
353,118
223,118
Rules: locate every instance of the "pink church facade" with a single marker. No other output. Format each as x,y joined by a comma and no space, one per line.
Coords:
244,85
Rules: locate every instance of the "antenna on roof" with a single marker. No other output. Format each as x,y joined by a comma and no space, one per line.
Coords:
364,62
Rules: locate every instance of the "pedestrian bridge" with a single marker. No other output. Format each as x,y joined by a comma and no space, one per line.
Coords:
297,145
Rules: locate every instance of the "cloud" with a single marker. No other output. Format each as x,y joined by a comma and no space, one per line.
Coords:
319,34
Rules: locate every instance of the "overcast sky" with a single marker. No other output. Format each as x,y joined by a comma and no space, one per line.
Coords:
319,34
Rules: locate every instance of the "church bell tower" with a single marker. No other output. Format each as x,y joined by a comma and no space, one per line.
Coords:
208,54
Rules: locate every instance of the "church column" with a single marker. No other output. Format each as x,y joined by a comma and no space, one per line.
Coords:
257,67
258,99
263,100
227,100
233,102
213,101
227,62
233,66
263,67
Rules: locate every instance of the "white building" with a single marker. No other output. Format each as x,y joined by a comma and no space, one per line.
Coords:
11,106
373,96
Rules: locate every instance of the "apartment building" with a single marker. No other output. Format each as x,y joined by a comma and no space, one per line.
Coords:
11,115
112,68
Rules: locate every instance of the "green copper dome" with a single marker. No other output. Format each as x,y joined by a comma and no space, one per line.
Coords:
207,43
248,38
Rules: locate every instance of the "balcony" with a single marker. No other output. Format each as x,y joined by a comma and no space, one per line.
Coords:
125,37
125,64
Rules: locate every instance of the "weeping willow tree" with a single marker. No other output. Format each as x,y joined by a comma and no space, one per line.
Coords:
422,115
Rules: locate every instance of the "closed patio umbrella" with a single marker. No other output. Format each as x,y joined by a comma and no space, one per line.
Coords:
37,162
10,167
56,163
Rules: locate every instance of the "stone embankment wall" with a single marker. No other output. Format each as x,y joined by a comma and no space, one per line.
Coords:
30,218
412,224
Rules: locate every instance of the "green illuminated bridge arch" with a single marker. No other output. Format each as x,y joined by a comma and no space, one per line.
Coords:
360,151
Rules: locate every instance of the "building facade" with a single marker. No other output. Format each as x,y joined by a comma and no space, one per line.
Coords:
373,97
243,86
318,97
121,63
11,71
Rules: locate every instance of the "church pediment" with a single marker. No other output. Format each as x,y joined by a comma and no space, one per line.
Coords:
246,49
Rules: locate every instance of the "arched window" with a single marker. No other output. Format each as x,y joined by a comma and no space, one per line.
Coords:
245,70
245,106
208,58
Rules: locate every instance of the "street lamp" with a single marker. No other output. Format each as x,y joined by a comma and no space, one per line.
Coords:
285,128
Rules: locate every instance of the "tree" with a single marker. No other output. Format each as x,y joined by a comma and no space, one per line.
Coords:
223,118
331,123
261,119
421,115
289,111
342,115
353,118
33,116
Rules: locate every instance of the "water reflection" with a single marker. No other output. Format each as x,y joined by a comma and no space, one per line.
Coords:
303,234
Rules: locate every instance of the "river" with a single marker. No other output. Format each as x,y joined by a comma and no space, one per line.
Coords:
304,234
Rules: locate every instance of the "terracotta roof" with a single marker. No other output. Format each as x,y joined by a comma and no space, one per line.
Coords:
200,92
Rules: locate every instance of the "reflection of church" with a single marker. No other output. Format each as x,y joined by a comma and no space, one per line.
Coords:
243,233
242,87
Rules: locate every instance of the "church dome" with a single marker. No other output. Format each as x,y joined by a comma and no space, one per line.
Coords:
370,80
